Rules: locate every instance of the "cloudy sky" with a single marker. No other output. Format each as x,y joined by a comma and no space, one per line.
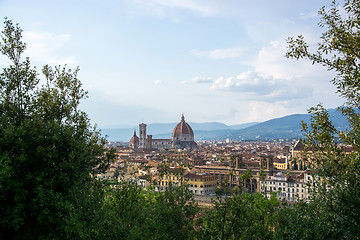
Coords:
152,60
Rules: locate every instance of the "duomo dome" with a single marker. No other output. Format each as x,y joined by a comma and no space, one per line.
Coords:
134,141
182,137
182,131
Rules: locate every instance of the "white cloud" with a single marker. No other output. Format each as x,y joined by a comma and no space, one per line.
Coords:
198,80
46,47
158,82
217,54
262,111
255,86
249,82
162,8
271,62
309,15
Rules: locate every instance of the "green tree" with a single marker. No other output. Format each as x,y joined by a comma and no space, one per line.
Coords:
249,216
48,150
244,181
135,214
335,204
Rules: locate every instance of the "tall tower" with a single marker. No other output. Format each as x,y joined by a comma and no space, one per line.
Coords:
142,136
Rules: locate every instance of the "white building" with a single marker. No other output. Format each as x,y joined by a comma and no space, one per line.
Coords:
287,187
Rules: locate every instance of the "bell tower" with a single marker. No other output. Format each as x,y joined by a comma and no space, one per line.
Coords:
142,135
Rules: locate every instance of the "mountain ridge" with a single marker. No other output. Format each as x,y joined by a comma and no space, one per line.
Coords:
287,127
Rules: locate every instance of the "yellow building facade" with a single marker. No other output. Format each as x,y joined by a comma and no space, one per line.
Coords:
172,176
201,184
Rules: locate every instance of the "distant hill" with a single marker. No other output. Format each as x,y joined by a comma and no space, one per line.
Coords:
284,127
287,127
244,125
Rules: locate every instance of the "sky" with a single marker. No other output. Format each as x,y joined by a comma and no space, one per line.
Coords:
153,60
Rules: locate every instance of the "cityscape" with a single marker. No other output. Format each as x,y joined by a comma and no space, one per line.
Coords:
275,166
180,119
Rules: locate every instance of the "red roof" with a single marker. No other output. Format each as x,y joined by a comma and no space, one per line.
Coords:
182,128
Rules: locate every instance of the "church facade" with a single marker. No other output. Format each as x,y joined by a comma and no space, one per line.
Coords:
182,137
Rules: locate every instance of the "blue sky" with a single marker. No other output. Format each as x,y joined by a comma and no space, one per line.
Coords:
152,60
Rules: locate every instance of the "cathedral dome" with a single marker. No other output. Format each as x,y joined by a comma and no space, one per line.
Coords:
182,131
134,141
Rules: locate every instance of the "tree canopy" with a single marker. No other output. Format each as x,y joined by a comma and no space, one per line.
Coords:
48,150
335,203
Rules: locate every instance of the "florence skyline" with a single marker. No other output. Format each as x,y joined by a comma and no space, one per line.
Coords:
150,61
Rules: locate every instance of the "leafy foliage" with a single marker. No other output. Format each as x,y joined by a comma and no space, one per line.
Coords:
48,150
135,214
246,216
336,197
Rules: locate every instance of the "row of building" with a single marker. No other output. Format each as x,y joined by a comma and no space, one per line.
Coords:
272,167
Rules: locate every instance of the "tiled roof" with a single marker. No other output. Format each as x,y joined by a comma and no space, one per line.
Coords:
182,128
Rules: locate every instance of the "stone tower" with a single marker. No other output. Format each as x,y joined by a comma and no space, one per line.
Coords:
266,163
142,135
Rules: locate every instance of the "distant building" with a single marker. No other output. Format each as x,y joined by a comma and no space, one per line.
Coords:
170,177
201,184
280,164
182,137
134,141
288,188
